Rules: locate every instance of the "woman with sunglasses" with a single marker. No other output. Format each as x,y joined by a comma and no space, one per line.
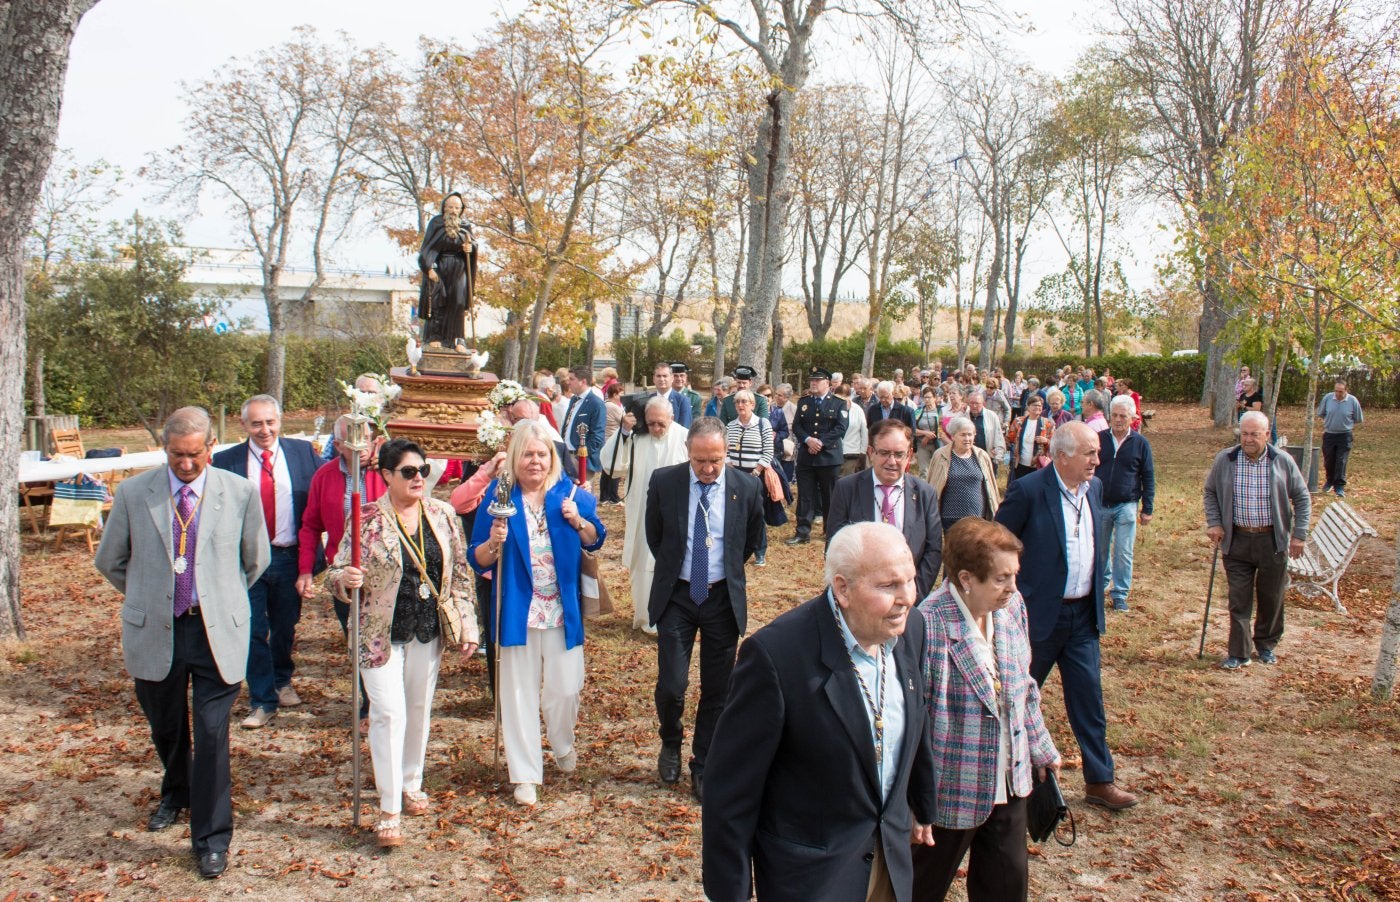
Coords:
412,556
540,637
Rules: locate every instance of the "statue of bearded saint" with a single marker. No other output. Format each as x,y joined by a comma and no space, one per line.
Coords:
448,262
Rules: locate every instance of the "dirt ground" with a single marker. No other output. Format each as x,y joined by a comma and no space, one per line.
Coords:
1272,783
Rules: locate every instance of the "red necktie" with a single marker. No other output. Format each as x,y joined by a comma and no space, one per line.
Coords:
269,496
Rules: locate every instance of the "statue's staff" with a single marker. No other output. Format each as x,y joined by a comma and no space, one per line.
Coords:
503,508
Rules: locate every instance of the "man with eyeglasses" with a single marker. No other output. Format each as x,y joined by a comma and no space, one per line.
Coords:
636,456
885,493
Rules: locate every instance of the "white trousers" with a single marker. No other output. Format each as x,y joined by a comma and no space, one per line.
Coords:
539,674
641,595
400,703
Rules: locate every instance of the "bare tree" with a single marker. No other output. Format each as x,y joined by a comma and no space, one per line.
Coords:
778,35
276,139
831,173
1197,66
35,36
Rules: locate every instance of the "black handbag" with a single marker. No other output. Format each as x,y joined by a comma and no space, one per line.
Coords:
1046,809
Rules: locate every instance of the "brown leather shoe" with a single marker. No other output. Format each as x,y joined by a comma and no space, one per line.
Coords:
1109,796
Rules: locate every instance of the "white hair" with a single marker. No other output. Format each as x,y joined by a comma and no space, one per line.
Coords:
1066,439
260,399
846,552
958,424
1122,402
884,385
1254,416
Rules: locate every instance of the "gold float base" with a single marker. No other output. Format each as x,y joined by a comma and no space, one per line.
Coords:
439,411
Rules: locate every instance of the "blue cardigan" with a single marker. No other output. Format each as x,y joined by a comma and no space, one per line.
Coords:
1127,475
517,584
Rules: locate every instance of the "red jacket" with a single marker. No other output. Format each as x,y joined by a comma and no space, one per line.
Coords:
325,511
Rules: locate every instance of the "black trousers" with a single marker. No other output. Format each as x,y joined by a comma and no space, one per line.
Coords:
1336,450
200,781
998,869
608,489
1255,570
814,485
680,622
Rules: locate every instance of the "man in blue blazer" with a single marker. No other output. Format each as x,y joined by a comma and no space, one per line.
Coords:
703,521
280,470
664,380
1057,513
585,409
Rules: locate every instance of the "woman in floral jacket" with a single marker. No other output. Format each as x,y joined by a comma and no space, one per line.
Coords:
985,724
412,556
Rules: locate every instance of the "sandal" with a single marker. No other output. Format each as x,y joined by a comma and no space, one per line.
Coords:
388,833
415,803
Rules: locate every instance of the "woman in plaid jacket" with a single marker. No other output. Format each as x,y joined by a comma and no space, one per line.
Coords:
984,718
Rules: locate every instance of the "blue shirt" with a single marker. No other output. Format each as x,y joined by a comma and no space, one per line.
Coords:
868,667
196,486
714,501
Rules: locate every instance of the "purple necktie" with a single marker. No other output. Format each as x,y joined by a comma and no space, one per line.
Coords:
886,508
184,581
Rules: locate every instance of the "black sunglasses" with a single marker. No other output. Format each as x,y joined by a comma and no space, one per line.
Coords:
410,472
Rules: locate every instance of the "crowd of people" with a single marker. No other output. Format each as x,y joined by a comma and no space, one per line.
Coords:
978,527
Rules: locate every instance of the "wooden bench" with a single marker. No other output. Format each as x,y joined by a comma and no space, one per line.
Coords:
1328,552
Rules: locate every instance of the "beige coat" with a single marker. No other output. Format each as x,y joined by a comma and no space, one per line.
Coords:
938,476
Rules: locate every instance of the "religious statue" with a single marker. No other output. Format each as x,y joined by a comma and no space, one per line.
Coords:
448,262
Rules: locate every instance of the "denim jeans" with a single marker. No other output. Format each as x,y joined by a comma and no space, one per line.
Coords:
275,609
1119,531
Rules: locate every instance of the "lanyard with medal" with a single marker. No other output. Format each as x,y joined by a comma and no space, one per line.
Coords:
182,562
417,552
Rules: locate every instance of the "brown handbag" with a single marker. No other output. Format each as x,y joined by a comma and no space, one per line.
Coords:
594,599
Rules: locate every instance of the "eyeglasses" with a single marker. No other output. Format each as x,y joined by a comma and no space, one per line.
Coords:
890,455
410,472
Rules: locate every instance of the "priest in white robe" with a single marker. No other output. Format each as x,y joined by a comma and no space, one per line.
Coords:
636,455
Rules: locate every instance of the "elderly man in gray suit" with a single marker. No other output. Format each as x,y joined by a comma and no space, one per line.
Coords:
183,544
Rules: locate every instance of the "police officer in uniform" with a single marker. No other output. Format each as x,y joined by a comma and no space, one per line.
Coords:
743,380
818,428
680,378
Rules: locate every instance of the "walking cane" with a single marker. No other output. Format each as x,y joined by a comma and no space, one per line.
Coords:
1214,561
502,509
358,444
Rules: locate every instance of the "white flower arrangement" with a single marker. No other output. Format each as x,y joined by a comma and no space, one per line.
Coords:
506,393
490,431
375,400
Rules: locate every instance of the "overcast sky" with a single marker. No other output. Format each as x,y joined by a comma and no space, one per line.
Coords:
123,96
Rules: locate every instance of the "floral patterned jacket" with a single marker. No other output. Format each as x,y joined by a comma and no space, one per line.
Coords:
382,562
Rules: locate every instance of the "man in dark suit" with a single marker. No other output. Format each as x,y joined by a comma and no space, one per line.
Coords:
827,777
819,426
280,470
886,493
1057,513
703,522
887,407
662,378
183,544
585,409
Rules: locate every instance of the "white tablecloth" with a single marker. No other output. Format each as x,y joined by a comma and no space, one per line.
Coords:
54,470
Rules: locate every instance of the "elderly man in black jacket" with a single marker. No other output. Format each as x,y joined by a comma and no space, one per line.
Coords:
823,747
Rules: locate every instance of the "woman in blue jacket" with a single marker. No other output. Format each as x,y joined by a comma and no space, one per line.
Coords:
540,638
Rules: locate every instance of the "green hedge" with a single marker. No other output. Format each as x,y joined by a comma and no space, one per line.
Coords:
1154,377
845,355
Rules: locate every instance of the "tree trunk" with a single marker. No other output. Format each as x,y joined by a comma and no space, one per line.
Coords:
35,36
989,312
775,371
1383,686
769,197
532,342
275,378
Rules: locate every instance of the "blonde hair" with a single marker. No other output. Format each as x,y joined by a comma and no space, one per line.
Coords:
522,434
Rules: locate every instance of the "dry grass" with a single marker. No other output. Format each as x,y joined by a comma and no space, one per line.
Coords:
1274,783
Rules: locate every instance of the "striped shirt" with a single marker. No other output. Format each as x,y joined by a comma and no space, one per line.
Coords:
752,445
1253,480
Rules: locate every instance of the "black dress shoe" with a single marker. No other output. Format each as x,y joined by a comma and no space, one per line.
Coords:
668,765
697,784
797,540
212,864
163,817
